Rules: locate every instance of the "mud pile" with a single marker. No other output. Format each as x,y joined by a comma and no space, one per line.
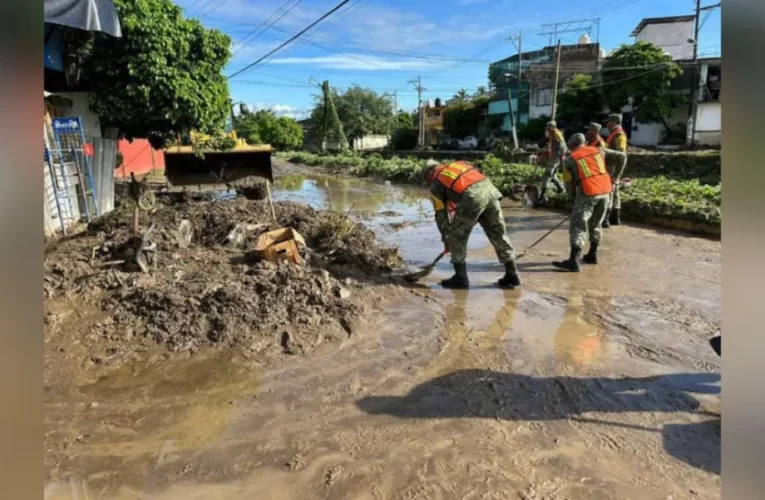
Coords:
208,288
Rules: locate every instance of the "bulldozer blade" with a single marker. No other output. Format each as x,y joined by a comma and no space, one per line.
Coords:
183,167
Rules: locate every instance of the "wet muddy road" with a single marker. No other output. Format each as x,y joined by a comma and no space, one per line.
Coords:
598,385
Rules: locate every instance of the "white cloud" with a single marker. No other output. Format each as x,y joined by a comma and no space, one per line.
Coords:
360,62
282,110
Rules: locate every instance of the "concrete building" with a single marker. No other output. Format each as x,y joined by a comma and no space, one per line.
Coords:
532,96
675,35
670,33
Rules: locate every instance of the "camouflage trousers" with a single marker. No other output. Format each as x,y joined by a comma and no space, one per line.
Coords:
486,212
549,176
615,198
587,217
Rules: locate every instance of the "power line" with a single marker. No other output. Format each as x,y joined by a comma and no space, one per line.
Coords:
329,13
263,27
215,7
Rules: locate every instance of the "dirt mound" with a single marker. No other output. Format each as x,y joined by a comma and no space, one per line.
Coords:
252,188
208,289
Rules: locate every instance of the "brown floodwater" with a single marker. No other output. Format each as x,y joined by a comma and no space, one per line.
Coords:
597,385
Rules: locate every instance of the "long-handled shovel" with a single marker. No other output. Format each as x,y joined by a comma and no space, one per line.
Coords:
425,271
543,237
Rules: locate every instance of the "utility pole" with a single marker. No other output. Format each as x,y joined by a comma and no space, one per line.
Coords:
509,88
512,112
555,88
420,121
519,48
693,107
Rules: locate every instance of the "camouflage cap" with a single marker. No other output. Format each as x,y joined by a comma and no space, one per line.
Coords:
551,124
429,170
576,140
594,126
615,117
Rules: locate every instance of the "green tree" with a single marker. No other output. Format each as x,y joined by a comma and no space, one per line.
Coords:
329,129
581,103
463,118
162,78
264,127
481,90
648,84
404,120
461,94
362,111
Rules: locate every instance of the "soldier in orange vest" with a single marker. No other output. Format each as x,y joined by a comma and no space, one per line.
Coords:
589,182
592,134
556,151
463,197
617,140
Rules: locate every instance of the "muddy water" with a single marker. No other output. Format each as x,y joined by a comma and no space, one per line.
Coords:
597,385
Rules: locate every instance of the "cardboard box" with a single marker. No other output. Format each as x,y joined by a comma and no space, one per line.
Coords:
280,244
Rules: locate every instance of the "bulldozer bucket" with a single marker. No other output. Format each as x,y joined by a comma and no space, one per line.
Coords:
184,168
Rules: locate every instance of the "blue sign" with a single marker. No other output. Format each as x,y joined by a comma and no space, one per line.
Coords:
68,132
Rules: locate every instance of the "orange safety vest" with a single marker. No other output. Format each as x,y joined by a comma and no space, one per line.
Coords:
458,176
598,143
591,170
617,131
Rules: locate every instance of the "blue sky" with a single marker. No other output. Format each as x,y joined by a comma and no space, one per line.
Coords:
382,44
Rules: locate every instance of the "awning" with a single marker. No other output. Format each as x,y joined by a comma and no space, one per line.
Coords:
56,100
88,15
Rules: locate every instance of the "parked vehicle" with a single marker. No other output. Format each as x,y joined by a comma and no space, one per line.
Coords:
469,142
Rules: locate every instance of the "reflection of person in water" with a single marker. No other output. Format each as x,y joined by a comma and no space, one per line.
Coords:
577,341
503,318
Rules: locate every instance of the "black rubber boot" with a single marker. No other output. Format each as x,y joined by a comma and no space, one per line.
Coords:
511,278
615,218
459,280
542,199
591,257
606,219
572,264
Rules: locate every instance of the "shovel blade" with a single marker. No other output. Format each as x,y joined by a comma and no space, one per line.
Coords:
418,275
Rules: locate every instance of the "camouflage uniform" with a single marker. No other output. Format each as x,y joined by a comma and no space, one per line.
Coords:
589,212
618,143
556,149
478,204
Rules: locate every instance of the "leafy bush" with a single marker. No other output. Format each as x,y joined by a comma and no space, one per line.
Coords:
646,198
534,129
264,127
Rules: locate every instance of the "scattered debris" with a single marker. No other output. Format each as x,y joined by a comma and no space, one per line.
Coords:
204,285
280,244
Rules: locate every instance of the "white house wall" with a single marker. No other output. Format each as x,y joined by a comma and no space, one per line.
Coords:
80,108
672,37
651,134
709,123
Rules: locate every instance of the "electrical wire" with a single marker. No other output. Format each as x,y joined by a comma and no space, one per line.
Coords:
282,11
323,17
215,7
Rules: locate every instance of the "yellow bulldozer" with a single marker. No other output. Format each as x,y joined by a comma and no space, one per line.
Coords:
185,166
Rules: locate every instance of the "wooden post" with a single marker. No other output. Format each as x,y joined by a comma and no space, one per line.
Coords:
270,201
555,89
